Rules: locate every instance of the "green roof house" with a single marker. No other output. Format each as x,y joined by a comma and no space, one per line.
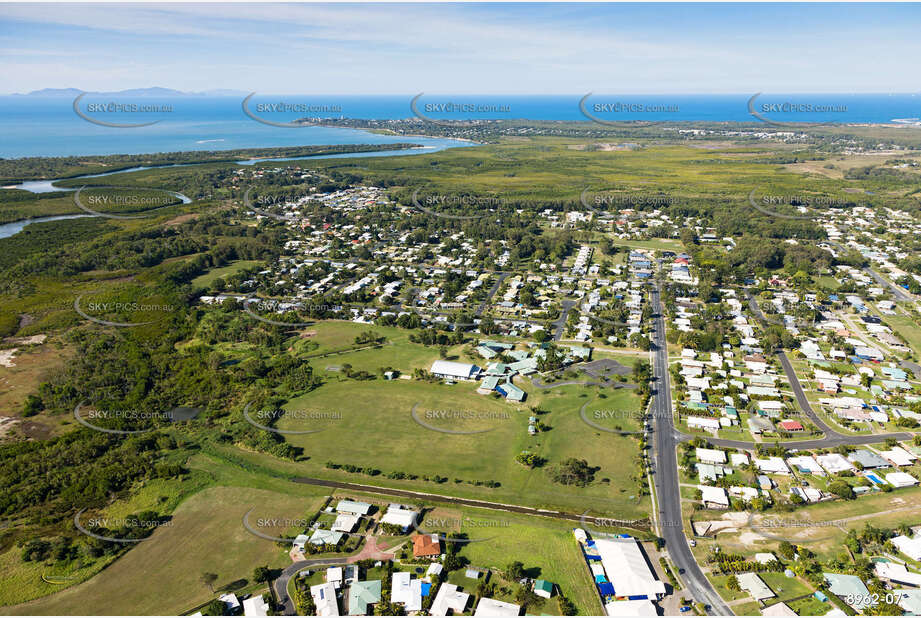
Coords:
363,594
543,588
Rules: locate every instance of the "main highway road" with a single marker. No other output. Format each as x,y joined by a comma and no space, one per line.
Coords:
666,473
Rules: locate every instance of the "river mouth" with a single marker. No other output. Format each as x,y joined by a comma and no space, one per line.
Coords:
48,186
10,229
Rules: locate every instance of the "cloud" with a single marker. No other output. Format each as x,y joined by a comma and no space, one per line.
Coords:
448,48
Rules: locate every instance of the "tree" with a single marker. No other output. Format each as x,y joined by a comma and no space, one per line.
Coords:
567,607
215,607
527,597
842,490
733,583
32,406
261,574
303,602
574,472
208,579
529,459
786,550
515,571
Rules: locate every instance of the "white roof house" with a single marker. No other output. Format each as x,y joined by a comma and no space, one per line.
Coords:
898,456
738,459
895,572
778,609
711,455
910,546
334,575
901,479
300,540
397,516
345,522
701,422
255,606
353,506
324,597
627,569
754,586
407,591
834,462
449,598
714,495
807,464
492,607
745,493
230,600
772,465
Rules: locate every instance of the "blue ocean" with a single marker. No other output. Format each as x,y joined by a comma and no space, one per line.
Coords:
49,126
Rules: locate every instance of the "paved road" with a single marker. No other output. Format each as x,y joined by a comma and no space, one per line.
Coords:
559,326
666,474
280,585
901,294
492,292
832,438
801,399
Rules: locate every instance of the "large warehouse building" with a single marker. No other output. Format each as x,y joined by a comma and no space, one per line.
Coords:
455,371
626,567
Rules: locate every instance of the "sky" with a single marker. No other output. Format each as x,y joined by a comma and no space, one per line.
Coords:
463,48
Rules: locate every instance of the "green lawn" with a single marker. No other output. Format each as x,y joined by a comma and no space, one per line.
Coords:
545,546
205,280
810,606
906,328
785,587
376,428
161,575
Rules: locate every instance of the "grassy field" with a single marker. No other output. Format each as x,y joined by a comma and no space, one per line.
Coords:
377,429
374,427
161,576
905,327
208,278
32,364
